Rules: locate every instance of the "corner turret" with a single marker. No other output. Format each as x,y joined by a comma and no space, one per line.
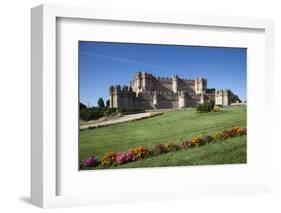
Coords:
223,97
182,99
200,85
175,83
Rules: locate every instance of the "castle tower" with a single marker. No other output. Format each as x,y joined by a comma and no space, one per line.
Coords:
144,81
114,96
222,97
111,94
138,80
124,97
147,84
182,99
200,85
175,83
155,100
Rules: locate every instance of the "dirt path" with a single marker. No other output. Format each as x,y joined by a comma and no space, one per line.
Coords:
124,118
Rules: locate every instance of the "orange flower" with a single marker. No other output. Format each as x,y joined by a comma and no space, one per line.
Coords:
108,159
141,152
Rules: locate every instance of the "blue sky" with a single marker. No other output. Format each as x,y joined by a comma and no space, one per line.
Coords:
103,64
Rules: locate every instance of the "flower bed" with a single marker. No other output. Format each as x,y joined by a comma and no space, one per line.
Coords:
142,152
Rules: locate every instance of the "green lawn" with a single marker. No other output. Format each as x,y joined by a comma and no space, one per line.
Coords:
172,126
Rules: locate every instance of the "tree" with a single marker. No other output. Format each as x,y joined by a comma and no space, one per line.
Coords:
82,106
108,103
101,103
211,90
235,98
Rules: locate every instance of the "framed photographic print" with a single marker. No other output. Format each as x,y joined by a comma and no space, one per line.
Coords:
146,105
138,123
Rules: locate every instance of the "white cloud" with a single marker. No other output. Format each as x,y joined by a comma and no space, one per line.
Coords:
125,60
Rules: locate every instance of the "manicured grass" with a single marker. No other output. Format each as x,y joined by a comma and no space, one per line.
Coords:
175,126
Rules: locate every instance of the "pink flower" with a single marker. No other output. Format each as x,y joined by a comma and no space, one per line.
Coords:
208,138
131,156
187,144
121,158
90,161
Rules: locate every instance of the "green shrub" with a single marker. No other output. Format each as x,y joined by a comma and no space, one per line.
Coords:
206,107
85,114
95,113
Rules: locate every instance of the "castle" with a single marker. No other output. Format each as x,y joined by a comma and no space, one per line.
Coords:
148,92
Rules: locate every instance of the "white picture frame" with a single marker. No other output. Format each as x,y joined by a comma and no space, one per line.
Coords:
45,171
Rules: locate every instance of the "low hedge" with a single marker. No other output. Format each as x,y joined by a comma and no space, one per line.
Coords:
95,113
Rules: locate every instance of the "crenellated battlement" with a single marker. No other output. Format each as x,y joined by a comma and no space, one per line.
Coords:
164,79
222,91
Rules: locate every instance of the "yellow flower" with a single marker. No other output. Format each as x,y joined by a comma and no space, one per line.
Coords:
108,159
196,139
219,135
